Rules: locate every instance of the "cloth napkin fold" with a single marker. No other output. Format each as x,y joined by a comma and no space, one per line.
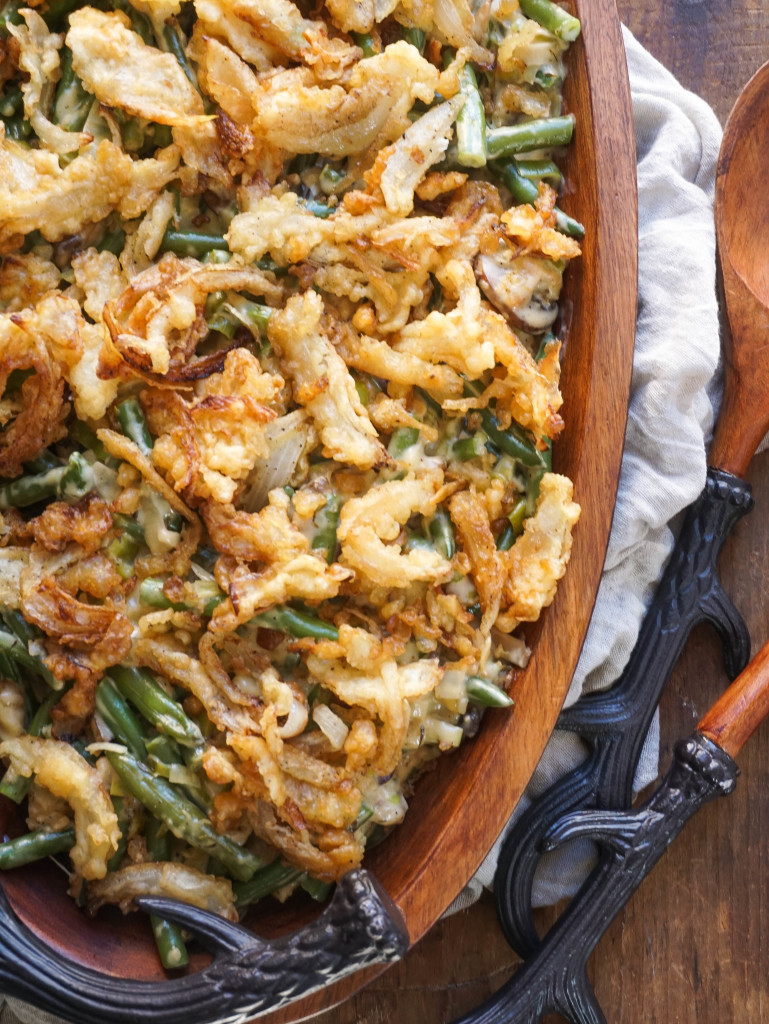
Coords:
670,421
675,387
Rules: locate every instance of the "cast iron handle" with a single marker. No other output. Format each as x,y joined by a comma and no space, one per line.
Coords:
630,843
247,977
615,723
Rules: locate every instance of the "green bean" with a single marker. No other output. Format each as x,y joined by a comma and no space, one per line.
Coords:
72,103
329,180
223,322
123,551
237,312
192,243
522,138
217,257
28,490
162,750
133,424
87,438
568,225
274,876
368,387
366,811
417,542
524,190
327,520
302,162
207,592
514,441
77,478
151,700
57,11
16,379
415,36
113,241
18,128
402,439
540,170
132,134
166,803
517,515
442,532
521,188
165,757
42,717
506,538
123,822
514,525
173,521
17,660
206,557
469,447
139,22
431,403
18,625
552,17
366,42
14,853
128,525
318,209
471,122
10,16
151,593
173,42
547,79
547,456
121,721
436,296
12,102
268,264
296,623
178,764
483,691
315,889
168,935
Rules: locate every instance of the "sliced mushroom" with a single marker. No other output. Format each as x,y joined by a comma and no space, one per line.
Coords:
524,289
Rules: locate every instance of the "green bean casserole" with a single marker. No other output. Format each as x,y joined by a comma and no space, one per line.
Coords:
278,385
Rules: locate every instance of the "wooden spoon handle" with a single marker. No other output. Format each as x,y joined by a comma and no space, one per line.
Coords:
742,421
738,712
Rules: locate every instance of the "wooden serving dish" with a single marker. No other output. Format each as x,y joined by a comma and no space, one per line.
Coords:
460,808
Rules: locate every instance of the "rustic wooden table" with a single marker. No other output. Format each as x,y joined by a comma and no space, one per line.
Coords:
690,946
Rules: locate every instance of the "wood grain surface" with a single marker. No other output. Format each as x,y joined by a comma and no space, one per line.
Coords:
690,948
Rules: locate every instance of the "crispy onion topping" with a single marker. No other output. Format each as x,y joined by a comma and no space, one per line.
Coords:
173,880
32,416
59,768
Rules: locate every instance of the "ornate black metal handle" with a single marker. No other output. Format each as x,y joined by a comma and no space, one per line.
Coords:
630,842
615,723
248,976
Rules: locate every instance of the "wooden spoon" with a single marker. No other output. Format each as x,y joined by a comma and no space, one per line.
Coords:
742,227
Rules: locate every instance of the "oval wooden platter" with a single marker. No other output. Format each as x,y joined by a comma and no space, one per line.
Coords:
460,808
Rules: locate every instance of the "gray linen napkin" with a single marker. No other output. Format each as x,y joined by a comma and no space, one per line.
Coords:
670,420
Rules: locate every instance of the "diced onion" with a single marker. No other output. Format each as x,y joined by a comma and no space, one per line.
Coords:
443,734
452,686
105,745
287,438
388,803
331,725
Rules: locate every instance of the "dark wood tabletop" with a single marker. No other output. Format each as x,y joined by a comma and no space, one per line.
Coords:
690,947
